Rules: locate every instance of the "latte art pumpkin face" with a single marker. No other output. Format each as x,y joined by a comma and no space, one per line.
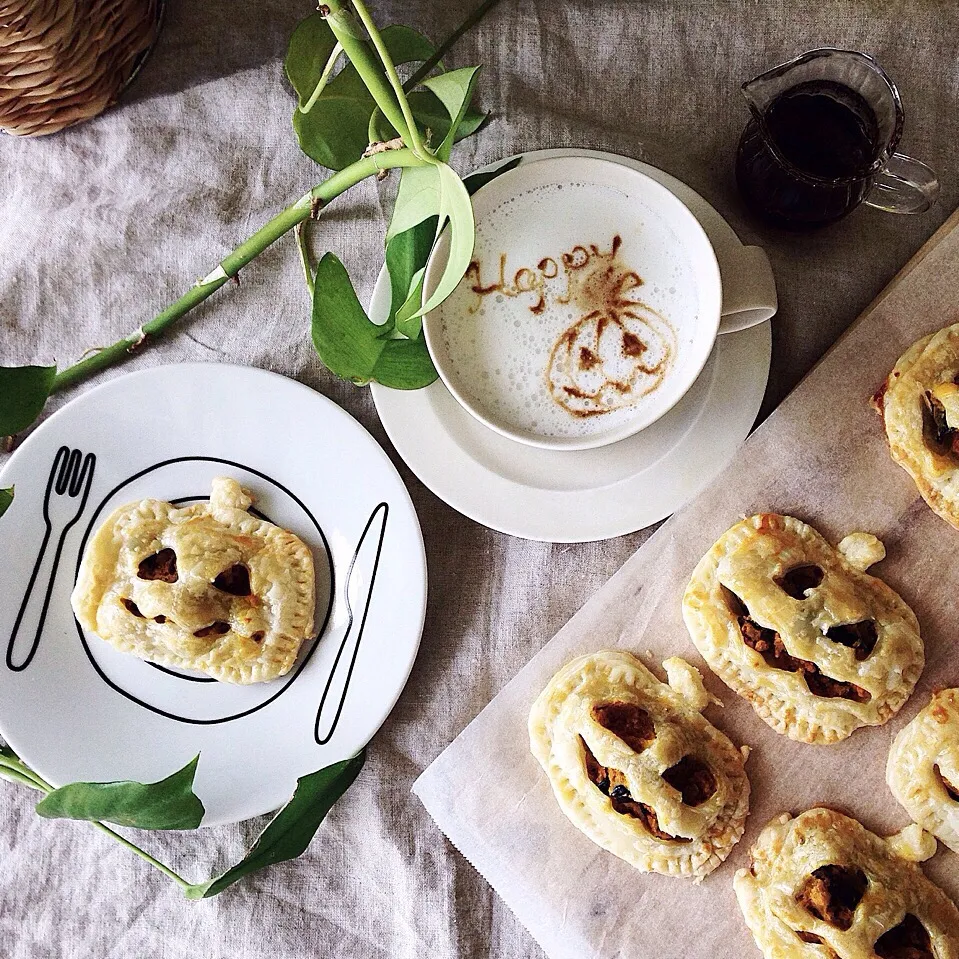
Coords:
581,316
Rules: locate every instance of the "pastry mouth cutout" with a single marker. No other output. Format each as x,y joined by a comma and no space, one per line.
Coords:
798,628
635,766
919,404
822,886
207,587
923,767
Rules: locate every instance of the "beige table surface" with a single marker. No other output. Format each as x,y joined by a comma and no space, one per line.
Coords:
104,224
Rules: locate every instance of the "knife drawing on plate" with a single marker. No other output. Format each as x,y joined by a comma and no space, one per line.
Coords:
359,592
63,503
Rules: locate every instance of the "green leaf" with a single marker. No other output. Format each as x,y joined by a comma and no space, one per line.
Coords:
406,255
290,831
355,348
455,91
417,199
405,365
335,132
408,252
407,320
431,115
476,181
23,394
344,337
6,498
167,804
309,51
455,206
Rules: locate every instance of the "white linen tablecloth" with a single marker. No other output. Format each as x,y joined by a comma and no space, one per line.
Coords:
104,224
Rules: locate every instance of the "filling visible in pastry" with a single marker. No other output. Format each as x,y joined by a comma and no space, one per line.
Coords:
822,884
832,893
923,767
919,404
908,940
612,783
208,587
798,628
634,765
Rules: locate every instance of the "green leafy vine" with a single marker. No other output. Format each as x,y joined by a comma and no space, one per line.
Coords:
172,804
359,121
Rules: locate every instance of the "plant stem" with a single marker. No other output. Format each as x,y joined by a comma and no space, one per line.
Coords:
166,870
348,32
415,141
324,78
15,770
235,261
427,65
23,773
305,258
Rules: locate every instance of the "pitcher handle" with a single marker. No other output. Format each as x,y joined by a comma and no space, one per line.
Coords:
904,186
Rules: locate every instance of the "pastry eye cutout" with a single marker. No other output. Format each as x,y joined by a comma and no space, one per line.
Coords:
923,767
799,629
208,587
159,566
919,404
821,884
235,580
636,767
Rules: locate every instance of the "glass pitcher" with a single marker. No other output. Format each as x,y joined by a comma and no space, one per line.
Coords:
822,140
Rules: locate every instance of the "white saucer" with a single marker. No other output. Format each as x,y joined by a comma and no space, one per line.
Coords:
578,496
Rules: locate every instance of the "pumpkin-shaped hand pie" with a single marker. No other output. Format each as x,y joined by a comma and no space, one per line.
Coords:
919,403
822,886
800,630
207,587
635,766
923,767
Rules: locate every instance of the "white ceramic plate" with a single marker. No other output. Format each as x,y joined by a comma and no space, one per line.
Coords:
76,709
577,496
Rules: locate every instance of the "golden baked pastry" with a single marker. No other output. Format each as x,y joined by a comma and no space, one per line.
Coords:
207,587
923,767
822,886
798,628
919,403
635,766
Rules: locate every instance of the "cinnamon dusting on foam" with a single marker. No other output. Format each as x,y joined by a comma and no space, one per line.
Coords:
620,348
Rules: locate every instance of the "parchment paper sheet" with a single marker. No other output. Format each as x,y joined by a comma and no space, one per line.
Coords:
821,456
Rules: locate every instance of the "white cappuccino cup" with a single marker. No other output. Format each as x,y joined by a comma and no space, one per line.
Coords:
591,305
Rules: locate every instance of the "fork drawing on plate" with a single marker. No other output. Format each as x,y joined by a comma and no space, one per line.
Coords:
64,501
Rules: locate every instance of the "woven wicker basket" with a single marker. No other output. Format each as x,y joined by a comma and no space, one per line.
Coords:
63,61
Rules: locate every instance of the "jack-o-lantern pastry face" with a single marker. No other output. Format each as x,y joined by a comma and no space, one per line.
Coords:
635,766
207,587
822,886
800,630
919,403
923,767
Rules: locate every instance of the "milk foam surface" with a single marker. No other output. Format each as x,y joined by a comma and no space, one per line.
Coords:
498,350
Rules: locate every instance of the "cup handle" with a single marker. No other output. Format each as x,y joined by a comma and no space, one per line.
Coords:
904,186
749,288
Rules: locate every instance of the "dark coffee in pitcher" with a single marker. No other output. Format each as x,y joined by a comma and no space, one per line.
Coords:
807,163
